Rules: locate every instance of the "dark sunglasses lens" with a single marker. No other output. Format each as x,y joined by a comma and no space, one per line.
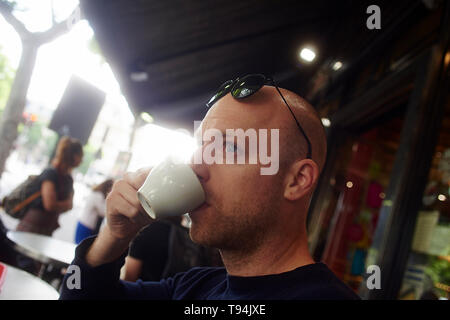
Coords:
223,90
247,86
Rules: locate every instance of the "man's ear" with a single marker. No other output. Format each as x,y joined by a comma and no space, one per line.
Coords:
301,179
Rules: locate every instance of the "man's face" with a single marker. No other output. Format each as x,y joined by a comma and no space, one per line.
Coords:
241,204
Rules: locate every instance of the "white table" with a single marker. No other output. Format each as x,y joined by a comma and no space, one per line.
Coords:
43,248
20,285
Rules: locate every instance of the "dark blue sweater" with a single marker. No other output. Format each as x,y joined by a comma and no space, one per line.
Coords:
310,282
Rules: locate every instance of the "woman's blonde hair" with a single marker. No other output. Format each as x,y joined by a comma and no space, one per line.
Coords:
66,151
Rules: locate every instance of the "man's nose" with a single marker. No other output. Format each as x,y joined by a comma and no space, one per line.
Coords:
198,166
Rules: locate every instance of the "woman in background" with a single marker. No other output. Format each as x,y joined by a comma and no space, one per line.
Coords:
91,217
56,189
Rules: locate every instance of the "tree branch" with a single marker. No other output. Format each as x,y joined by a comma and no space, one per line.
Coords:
60,28
53,13
6,11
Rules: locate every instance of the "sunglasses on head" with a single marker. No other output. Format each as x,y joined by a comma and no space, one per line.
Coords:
244,87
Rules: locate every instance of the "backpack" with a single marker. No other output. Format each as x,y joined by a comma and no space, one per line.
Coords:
22,197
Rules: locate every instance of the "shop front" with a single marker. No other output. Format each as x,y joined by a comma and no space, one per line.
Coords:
383,201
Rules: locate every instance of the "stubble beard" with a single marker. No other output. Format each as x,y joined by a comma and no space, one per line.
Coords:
242,225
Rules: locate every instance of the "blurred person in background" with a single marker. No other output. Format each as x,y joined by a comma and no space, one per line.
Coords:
163,249
91,217
56,189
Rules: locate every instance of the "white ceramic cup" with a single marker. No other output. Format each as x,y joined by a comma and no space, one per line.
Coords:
171,189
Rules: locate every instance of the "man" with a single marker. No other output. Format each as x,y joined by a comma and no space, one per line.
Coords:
258,222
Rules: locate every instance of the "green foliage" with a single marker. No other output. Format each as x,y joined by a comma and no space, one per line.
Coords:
88,156
50,142
438,269
34,134
20,128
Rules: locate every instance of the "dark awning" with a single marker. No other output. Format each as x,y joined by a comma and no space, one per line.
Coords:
187,48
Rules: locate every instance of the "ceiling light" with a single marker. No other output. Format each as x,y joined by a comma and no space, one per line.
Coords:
349,184
146,117
326,122
337,65
441,197
307,54
139,76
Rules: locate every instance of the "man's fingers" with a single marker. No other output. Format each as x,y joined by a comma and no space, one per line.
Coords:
118,205
136,179
122,203
129,210
128,192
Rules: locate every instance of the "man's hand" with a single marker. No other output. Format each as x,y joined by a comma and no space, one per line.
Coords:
125,217
124,213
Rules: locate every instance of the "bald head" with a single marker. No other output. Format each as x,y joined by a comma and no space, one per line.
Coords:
309,120
240,198
266,109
